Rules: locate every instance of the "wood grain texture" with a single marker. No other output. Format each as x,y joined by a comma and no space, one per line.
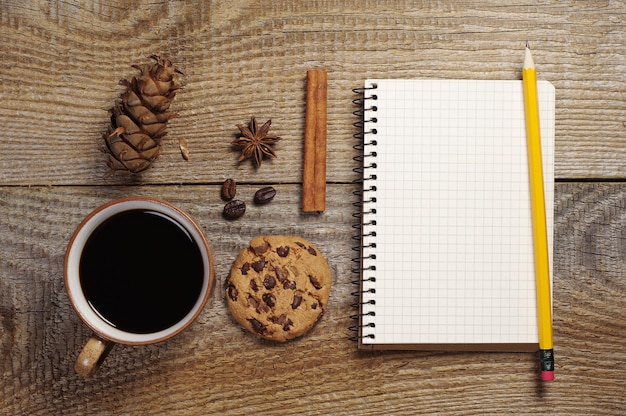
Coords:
60,63
214,367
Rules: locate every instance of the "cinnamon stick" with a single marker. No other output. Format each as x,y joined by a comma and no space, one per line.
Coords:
314,169
320,142
308,172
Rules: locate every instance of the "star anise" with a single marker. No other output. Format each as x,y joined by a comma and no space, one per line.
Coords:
256,141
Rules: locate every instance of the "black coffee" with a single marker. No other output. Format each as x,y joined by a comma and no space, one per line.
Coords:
141,271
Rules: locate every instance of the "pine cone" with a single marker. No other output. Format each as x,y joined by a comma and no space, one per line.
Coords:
139,117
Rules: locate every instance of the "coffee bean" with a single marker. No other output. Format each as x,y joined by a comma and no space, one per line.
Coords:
234,209
229,189
264,195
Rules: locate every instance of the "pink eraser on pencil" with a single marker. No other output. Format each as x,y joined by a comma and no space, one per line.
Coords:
547,376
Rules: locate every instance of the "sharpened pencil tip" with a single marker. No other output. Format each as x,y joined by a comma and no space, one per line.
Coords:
527,45
528,58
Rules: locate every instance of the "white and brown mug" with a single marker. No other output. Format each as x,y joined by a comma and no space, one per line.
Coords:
137,270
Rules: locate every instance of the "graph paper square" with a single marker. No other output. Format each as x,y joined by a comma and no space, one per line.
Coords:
453,234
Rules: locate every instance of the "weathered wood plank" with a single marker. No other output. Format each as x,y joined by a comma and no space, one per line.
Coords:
214,367
62,60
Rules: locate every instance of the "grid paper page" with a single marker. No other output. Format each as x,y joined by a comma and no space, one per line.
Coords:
453,234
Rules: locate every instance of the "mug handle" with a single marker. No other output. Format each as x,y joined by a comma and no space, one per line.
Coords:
93,354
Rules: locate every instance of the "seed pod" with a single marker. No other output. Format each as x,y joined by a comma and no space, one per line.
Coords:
139,117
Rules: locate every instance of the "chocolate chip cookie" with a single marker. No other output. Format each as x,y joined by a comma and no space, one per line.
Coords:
278,287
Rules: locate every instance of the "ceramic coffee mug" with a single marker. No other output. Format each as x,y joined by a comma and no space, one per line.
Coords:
137,271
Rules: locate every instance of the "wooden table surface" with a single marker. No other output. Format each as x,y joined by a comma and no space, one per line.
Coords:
60,65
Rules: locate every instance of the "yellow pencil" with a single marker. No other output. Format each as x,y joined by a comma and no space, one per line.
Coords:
538,208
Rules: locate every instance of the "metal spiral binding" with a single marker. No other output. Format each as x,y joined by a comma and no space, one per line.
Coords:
365,207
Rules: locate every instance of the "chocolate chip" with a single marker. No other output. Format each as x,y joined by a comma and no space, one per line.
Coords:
258,265
253,285
316,283
281,319
297,300
257,326
269,299
258,306
269,282
245,268
287,325
253,302
281,274
300,244
232,292
312,251
261,249
282,251
314,305
289,284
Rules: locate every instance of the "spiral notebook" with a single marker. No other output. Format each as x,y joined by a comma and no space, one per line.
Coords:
446,236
